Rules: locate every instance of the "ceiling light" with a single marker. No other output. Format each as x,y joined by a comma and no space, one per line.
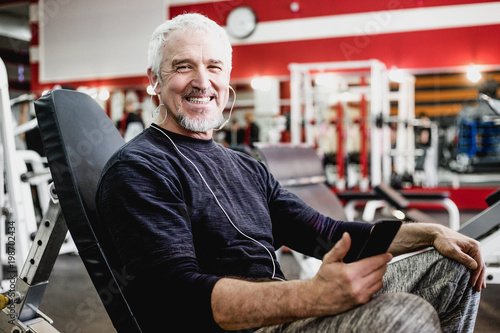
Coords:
396,74
473,73
261,83
104,94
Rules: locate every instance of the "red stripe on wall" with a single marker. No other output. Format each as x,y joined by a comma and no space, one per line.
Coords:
34,27
465,197
419,49
34,85
280,9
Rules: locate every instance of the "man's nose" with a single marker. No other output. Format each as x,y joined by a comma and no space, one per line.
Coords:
201,80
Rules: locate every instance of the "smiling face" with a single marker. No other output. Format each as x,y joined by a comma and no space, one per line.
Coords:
195,82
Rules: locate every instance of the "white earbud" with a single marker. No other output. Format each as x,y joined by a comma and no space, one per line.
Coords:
230,111
157,109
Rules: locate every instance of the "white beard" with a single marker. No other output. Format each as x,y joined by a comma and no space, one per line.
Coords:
200,125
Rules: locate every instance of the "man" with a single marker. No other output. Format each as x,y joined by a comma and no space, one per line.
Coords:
131,123
197,225
251,130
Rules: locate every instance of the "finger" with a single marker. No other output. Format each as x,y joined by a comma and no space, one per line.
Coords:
339,251
482,280
475,278
373,264
465,260
478,279
370,272
374,282
375,286
476,273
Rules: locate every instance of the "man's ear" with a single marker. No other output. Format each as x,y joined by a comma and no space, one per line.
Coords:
154,81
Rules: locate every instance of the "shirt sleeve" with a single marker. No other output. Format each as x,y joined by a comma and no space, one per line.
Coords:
330,231
301,228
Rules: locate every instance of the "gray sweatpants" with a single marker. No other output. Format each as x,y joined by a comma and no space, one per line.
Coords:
423,293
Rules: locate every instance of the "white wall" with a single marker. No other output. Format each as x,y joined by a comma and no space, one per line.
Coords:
92,39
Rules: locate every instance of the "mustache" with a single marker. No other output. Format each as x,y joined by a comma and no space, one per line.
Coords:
195,91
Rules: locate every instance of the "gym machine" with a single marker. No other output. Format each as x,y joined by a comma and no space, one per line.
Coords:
22,187
78,138
318,87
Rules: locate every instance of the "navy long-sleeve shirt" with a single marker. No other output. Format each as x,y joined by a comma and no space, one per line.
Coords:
176,242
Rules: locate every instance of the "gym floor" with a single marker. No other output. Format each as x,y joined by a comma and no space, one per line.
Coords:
72,302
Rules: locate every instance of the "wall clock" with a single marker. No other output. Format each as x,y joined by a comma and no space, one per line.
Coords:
241,22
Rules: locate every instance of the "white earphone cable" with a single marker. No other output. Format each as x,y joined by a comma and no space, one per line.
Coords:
219,204
230,111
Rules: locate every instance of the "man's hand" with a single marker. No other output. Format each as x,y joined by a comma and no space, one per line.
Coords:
338,286
464,250
451,244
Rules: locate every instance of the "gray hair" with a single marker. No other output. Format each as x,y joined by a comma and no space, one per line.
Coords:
184,22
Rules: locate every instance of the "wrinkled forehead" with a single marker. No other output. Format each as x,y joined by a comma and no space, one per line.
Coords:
195,45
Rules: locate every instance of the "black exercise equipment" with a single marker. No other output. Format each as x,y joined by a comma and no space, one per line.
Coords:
79,138
299,170
401,202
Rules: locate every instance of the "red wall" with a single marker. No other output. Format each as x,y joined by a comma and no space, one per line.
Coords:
453,47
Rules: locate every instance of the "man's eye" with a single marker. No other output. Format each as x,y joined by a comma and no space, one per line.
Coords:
214,68
182,68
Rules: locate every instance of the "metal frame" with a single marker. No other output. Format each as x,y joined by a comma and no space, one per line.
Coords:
28,269
404,152
372,205
17,205
377,93
21,313
485,227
